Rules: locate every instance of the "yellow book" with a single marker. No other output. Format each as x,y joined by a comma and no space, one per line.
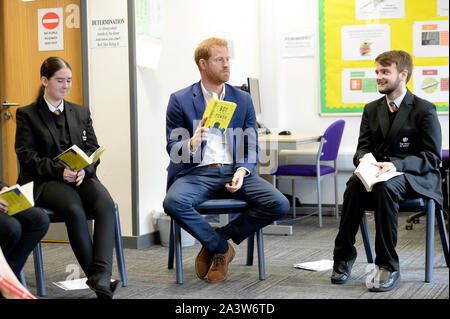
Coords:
75,159
219,114
18,198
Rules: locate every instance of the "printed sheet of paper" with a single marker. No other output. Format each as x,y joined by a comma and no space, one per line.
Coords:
364,41
431,83
379,9
359,85
430,38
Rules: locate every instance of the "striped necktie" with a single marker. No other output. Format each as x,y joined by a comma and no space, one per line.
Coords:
57,112
393,107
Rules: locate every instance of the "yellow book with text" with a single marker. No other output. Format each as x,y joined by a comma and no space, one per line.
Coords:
219,114
75,159
18,198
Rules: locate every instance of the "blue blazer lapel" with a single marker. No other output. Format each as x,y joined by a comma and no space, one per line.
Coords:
198,100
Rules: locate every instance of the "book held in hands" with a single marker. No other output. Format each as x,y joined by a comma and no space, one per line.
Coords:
367,172
18,198
219,114
75,159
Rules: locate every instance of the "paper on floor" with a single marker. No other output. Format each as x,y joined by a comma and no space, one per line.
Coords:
320,265
72,284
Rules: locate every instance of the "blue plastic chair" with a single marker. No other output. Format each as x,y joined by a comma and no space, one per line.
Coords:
212,207
328,151
37,252
415,205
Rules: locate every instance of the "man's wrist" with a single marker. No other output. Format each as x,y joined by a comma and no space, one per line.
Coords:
243,169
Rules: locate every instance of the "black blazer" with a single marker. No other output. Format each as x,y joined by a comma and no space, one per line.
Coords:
37,142
413,143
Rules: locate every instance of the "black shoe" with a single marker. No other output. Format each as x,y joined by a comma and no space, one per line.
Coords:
102,289
384,280
342,270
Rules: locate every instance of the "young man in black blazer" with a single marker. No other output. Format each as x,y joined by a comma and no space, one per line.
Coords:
403,132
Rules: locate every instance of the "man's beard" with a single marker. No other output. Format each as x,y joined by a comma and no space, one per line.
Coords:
388,90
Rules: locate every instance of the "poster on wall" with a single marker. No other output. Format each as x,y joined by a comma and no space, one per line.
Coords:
364,42
442,8
50,29
376,9
431,83
430,38
359,85
109,32
297,44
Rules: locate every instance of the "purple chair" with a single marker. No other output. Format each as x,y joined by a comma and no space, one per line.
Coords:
327,152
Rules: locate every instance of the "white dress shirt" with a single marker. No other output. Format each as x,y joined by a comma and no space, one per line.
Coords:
217,149
52,108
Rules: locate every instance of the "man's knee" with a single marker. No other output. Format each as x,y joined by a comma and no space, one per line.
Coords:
174,203
280,206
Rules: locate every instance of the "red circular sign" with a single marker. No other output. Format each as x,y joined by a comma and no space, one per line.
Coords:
50,20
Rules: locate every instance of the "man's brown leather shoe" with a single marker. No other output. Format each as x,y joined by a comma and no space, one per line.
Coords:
219,269
203,262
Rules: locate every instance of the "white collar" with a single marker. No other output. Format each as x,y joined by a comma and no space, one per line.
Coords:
398,101
52,108
207,95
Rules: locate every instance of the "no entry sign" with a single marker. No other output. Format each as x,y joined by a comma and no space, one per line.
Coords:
50,20
50,29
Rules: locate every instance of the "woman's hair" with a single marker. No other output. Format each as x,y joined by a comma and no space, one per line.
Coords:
203,50
49,67
402,60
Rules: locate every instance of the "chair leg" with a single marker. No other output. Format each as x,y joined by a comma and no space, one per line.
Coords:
22,279
319,200
336,200
119,248
39,271
261,262
429,252
171,244
365,233
250,248
443,234
178,255
294,213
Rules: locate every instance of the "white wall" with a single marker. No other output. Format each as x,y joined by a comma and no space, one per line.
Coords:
110,108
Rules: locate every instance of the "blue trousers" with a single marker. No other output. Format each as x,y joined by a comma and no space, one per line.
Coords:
266,203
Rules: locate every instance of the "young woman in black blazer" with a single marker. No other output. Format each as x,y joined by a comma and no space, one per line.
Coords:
41,135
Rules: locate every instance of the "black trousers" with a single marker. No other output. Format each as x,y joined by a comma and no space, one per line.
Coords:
19,234
384,199
71,202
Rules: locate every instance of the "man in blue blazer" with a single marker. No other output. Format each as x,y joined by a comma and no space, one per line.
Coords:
403,132
207,164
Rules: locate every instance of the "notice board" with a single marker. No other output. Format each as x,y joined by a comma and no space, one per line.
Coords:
353,32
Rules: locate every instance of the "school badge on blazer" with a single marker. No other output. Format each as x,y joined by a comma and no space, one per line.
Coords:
404,143
84,137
